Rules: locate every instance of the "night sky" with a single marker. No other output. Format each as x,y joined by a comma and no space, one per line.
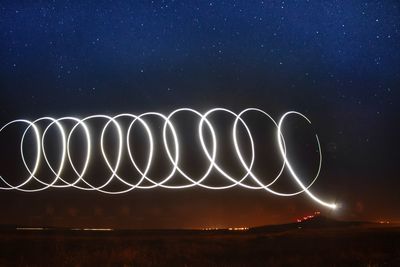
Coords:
338,62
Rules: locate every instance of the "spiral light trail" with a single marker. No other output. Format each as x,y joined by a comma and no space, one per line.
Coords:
146,182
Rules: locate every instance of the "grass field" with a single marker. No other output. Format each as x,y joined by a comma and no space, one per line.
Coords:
333,246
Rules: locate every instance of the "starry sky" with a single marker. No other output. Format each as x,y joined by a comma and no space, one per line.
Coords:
338,62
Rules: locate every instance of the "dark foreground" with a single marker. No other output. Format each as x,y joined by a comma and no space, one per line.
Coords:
341,246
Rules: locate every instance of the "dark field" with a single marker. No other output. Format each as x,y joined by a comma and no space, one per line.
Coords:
363,245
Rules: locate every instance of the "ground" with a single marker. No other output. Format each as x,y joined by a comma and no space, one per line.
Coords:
358,245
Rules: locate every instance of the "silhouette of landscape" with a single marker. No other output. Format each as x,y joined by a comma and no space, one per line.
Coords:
318,241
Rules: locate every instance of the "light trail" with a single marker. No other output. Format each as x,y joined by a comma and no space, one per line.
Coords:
210,153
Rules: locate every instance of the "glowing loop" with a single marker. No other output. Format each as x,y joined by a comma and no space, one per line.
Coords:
146,182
